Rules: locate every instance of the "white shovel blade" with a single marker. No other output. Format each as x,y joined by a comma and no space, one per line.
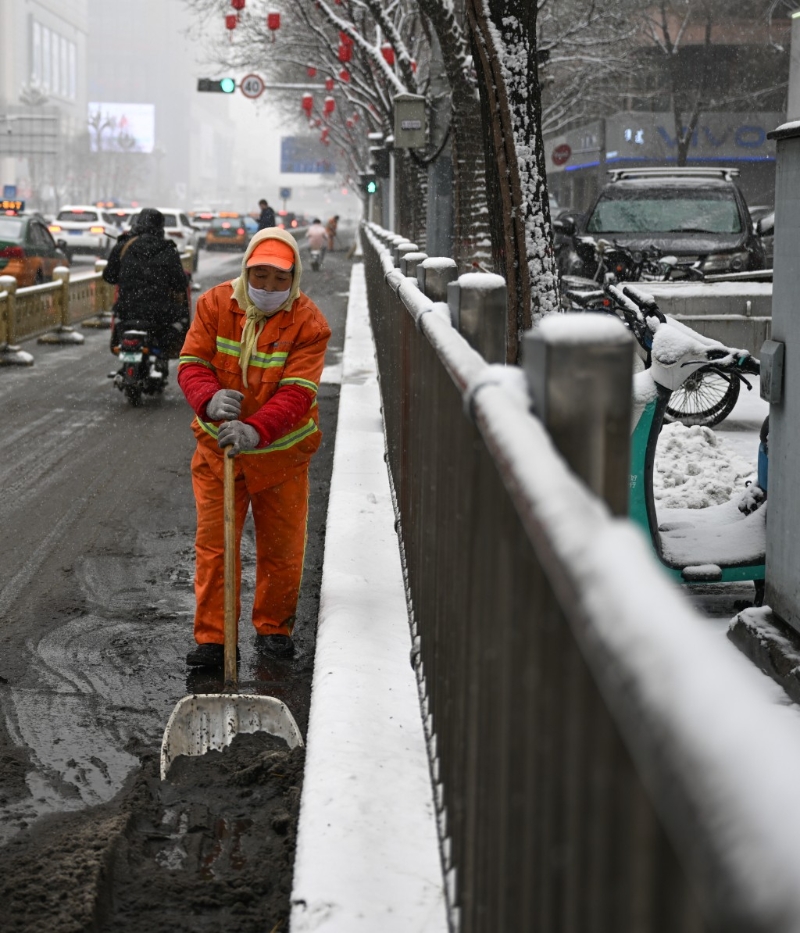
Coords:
209,722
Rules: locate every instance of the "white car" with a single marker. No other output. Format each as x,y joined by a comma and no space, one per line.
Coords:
85,229
177,227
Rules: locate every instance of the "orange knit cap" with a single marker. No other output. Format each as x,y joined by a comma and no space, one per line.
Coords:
272,253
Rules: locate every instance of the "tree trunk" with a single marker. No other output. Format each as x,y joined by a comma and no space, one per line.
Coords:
504,35
471,236
411,197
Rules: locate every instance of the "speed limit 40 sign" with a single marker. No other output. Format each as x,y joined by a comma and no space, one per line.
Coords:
252,86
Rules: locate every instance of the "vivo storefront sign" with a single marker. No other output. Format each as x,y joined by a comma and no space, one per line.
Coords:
634,136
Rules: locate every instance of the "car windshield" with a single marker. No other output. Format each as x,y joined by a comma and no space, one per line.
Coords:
665,211
77,216
170,220
10,228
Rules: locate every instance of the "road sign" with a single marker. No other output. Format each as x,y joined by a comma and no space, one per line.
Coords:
9,192
286,193
252,86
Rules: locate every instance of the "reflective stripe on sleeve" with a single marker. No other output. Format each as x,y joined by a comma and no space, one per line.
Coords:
194,359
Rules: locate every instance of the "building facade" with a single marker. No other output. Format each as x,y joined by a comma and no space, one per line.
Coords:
43,95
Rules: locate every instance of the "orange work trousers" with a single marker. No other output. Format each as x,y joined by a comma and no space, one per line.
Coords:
280,515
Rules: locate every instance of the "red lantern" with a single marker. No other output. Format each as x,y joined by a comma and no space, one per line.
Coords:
307,103
329,106
388,53
273,20
344,74
311,71
238,4
414,65
356,117
329,84
230,21
349,123
345,38
345,52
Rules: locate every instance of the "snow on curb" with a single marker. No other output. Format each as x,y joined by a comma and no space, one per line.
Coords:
367,849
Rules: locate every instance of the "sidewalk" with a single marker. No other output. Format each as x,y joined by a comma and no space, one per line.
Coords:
367,851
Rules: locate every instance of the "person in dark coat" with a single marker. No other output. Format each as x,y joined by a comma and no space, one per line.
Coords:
152,285
267,216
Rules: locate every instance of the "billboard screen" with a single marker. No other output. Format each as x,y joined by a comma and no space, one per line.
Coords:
305,154
122,127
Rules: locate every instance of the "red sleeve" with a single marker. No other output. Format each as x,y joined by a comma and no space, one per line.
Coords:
199,384
280,414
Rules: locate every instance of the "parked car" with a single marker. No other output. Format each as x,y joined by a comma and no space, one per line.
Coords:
177,227
286,220
765,230
85,229
697,215
228,230
28,251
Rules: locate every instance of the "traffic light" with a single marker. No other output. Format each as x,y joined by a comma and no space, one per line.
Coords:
379,159
369,184
221,86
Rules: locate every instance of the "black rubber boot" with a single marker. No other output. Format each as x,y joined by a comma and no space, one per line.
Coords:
276,646
208,655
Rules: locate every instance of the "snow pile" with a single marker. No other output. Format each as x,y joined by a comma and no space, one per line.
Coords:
695,468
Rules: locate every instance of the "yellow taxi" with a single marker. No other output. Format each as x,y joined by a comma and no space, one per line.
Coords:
28,252
227,230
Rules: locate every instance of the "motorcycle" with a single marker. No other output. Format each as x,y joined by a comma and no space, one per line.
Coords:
316,258
144,369
720,544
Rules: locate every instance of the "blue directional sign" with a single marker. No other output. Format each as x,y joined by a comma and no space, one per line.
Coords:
301,154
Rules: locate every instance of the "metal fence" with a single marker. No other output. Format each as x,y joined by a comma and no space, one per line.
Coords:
600,760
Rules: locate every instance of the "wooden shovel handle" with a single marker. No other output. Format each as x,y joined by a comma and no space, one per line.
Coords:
229,520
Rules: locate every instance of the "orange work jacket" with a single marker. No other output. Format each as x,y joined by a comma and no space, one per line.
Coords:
290,351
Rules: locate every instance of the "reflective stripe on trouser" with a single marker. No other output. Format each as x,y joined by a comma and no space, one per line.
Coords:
280,515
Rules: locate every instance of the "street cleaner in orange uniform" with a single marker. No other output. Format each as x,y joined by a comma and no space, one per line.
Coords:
250,368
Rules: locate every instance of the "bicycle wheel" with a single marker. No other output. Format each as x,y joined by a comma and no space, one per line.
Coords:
707,397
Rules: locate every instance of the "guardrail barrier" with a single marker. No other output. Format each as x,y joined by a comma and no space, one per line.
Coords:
601,760
49,311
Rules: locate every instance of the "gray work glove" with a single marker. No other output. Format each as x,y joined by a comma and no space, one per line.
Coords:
242,436
225,405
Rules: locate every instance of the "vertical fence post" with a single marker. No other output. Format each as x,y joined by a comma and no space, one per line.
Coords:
434,274
409,262
64,333
10,353
102,298
580,369
477,303
401,249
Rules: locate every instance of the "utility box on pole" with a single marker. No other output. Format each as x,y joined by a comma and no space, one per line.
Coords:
782,591
409,122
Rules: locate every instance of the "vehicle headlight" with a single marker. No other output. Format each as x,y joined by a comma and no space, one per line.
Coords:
726,262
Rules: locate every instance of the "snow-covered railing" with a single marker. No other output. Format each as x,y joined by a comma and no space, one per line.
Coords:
601,759
49,309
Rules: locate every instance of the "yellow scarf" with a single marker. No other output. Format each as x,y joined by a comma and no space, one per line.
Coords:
255,318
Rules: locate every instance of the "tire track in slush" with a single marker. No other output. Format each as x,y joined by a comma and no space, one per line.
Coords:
36,558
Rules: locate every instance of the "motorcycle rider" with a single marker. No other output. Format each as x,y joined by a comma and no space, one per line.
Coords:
317,237
152,286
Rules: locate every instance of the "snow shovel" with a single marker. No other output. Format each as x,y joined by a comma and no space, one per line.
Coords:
207,722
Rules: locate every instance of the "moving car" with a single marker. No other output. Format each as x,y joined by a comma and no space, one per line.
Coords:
177,227
201,221
28,251
697,215
228,230
85,229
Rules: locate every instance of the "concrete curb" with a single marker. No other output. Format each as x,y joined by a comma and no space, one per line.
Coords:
367,850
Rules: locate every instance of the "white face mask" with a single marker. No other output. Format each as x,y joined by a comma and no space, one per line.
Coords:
267,301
